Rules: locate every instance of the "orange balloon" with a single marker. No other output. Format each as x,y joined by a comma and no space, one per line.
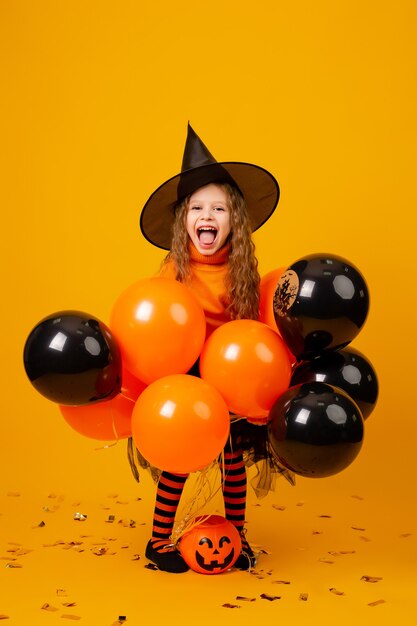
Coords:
107,421
248,363
180,423
160,328
132,387
268,287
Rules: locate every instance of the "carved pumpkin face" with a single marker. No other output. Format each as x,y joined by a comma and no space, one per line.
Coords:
212,546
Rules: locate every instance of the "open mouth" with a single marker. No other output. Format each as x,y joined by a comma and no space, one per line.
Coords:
206,235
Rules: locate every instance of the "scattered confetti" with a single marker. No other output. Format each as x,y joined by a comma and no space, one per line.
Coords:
101,551
75,617
110,519
151,566
278,507
48,607
136,557
303,597
281,582
4,617
326,516
362,538
266,596
127,523
69,604
376,602
371,579
336,592
13,565
231,606
245,599
61,593
80,517
342,552
324,560
357,497
358,528
13,494
300,504
317,532
40,525
405,535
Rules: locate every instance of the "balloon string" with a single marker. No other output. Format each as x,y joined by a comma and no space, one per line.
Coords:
127,397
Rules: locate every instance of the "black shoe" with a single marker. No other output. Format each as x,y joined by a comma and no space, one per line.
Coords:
167,560
246,559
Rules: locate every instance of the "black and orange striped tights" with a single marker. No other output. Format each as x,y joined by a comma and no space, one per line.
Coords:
170,488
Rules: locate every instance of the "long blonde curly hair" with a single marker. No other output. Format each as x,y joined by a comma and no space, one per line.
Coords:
242,279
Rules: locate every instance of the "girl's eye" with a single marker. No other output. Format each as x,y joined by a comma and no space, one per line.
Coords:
195,208
219,208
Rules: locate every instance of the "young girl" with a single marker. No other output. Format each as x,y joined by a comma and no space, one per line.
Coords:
205,217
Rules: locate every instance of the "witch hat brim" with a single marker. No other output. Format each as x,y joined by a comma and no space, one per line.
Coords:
258,186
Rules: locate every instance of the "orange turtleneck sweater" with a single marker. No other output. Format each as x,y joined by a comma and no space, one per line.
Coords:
207,282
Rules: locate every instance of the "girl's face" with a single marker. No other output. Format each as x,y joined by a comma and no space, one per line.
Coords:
208,219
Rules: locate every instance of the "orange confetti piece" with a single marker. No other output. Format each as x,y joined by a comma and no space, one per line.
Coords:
13,494
358,528
69,616
405,535
61,593
303,597
362,538
328,561
48,607
336,592
376,602
245,599
266,596
357,497
231,606
371,579
281,582
4,617
342,552
278,507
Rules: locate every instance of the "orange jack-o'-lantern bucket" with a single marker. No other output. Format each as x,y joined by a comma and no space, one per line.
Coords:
212,546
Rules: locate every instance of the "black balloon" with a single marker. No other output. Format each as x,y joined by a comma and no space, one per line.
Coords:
347,369
321,303
315,430
72,358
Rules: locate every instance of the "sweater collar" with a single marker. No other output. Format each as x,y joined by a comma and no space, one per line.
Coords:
218,258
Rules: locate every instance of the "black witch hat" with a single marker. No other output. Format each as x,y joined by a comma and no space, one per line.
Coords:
199,168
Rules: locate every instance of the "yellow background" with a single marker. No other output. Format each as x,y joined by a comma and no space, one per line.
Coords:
95,100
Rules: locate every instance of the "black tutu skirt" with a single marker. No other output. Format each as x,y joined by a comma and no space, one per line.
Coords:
251,439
